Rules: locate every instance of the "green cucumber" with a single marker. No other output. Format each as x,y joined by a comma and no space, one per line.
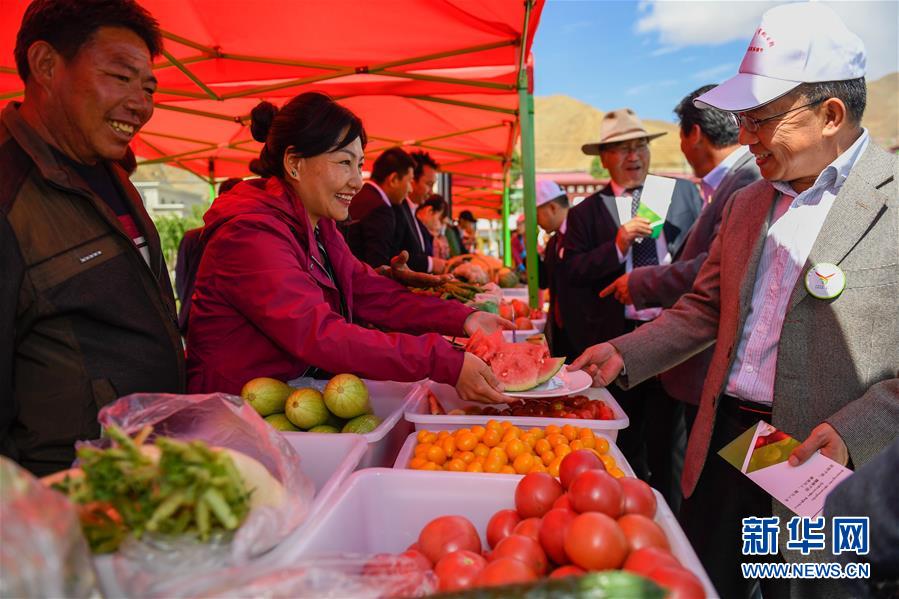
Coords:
611,584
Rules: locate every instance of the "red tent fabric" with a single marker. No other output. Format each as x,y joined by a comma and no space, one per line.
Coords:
438,75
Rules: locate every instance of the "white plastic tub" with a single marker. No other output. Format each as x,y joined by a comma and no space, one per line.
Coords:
327,458
407,453
383,510
539,324
389,400
515,293
419,413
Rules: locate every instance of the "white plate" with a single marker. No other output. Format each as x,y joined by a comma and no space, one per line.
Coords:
564,383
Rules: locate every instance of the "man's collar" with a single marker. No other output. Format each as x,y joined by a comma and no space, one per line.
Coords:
618,190
380,191
714,177
834,174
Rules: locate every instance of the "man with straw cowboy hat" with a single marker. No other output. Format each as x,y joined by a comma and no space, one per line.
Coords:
800,294
605,239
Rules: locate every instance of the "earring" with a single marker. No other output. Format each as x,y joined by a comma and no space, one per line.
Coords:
293,173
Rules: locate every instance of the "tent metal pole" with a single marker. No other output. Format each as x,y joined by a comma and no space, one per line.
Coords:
438,79
212,115
187,73
528,170
506,240
465,104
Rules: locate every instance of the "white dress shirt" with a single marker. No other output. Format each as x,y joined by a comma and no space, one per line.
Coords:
421,238
381,192
795,224
714,177
623,199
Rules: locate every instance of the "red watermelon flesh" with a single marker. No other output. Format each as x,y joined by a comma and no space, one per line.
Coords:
518,366
516,370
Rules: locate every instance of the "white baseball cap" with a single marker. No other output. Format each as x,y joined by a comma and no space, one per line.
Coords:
547,191
795,43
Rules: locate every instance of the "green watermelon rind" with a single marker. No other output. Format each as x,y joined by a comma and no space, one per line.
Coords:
549,369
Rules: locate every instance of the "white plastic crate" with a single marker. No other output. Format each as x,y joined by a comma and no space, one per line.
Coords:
383,510
419,413
515,293
407,453
389,400
327,459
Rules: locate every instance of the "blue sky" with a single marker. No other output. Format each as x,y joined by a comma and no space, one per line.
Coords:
648,54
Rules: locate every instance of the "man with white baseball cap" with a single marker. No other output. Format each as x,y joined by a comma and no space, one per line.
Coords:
552,213
800,292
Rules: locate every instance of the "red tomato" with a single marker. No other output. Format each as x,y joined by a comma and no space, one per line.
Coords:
413,546
535,494
552,534
564,571
501,526
595,491
642,532
529,527
606,413
524,549
584,414
563,503
458,570
644,561
575,463
446,534
595,542
417,558
638,497
504,571
680,583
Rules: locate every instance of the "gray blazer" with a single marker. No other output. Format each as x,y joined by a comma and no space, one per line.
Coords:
663,285
838,359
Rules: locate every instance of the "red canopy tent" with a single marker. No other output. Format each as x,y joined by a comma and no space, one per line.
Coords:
446,76
442,76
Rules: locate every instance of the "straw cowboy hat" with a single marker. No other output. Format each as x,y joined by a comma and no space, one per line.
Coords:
619,125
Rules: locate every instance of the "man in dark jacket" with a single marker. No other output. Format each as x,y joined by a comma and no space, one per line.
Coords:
552,213
188,261
375,229
607,238
86,307
709,143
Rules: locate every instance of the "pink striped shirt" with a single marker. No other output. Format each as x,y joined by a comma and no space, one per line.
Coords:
795,224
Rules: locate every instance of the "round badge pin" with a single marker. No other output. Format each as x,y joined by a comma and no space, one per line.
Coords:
825,281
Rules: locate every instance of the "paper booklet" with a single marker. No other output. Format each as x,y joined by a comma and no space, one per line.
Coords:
761,453
655,199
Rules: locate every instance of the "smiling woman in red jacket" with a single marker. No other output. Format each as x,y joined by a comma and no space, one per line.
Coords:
278,292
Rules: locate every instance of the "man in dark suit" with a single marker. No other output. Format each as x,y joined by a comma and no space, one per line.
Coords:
411,234
606,239
374,229
552,212
709,143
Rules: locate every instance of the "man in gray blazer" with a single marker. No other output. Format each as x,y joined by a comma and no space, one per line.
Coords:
708,140
799,293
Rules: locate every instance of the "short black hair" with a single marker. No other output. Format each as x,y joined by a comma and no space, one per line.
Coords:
310,124
227,184
562,200
69,24
422,159
392,160
853,93
466,215
436,203
716,124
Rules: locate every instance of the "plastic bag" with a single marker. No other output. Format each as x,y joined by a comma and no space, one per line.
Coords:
158,566
324,577
42,550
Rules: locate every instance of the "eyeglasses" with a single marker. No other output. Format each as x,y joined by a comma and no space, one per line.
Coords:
752,125
625,149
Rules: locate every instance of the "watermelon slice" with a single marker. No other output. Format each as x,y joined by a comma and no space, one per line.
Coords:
518,366
549,368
